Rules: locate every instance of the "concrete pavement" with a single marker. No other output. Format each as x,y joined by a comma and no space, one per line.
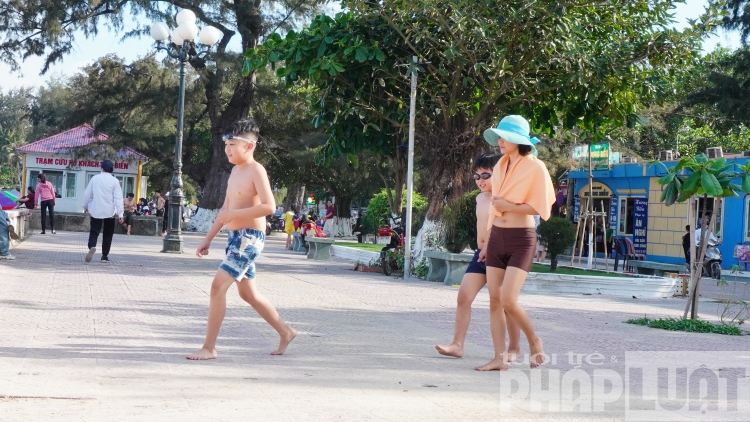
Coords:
107,342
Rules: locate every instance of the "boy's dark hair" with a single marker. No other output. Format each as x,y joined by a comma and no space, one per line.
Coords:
485,160
158,191
31,189
243,126
524,149
131,195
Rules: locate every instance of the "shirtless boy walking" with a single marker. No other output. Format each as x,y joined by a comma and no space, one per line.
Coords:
476,273
249,200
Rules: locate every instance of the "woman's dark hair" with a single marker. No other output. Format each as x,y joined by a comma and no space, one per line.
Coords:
294,208
524,149
486,160
42,177
31,189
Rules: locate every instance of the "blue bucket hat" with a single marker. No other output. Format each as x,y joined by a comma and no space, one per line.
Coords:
514,129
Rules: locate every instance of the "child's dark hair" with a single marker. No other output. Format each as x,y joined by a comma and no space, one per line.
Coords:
243,126
524,149
485,160
131,195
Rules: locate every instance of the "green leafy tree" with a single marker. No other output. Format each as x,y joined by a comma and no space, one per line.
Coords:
460,223
479,60
49,30
558,235
703,178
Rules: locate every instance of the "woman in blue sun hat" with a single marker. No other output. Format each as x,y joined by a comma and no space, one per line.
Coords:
521,188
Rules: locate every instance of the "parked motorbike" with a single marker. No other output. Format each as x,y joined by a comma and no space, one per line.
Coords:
712,261
396,244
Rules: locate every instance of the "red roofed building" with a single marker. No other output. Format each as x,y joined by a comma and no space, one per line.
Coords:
55,156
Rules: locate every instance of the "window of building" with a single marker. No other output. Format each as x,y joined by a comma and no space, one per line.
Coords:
626,216
711,206
70,185
127,183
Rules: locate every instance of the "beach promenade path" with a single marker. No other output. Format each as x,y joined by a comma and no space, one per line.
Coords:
107,342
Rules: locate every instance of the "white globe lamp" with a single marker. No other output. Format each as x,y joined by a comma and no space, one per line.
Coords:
176,38
185,16
187,31
159,31
210,36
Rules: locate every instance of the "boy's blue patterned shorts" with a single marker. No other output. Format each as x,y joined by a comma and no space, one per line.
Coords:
243,248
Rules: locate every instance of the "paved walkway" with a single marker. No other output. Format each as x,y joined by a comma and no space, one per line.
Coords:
107,342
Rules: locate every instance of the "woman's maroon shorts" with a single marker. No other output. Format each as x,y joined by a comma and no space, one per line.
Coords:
511,247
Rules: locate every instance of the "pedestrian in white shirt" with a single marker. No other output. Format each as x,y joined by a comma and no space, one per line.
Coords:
711,237
103,199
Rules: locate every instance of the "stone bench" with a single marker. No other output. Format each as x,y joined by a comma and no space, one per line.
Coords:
20,219
655,268
297,245
320,248
447,267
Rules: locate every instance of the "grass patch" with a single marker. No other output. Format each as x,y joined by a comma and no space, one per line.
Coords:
362,246
538,268
688,325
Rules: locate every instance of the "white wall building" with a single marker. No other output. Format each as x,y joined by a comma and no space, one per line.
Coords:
56,158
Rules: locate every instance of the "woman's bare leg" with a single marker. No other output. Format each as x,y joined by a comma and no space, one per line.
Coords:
510,289
514,338
471,284
495,281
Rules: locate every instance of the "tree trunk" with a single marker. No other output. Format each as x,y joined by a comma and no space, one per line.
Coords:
553,263
295,195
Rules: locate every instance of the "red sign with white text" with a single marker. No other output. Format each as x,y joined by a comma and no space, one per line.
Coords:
70,163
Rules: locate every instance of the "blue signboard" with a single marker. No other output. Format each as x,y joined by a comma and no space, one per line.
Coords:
613,213
640,222
576,209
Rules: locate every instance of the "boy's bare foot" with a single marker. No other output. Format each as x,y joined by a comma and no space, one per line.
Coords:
203,354
284,342
536,349
513,354
450,350
493,365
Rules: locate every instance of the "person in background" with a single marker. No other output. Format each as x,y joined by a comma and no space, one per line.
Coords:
29,200
330,211
165,214
686,245
159,203
129,206
711,237
358,229
289,225
103,200
46,198
5,235
541,250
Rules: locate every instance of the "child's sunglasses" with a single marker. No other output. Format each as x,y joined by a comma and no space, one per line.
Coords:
483,176
229,137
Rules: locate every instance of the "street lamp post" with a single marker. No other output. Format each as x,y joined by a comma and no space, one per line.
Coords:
182,49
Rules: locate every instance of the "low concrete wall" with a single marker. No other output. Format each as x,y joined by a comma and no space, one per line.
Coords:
20,219
79,222
352,254
641,287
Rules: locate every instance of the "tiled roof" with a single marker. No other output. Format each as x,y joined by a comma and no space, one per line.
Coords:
73,138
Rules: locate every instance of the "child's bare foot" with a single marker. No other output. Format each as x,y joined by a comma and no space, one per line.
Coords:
203,354
513,354
536,349
284,342
452,349
493,365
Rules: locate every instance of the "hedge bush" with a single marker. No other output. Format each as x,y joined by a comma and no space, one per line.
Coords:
460,221
558,234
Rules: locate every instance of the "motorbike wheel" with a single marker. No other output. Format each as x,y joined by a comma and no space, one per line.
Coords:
385,263
716,270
